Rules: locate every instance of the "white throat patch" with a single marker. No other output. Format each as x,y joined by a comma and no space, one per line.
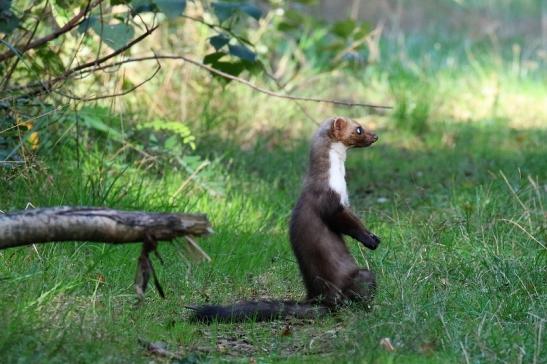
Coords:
337,171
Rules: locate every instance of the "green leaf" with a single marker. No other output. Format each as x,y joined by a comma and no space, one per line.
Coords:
291,20
171,142
61,11
255,67
242,52
362,30
224,10
219,41
344,28
115,35
231,68
171,8
213,57
8,20
235,68
179,130
8,23
87,23
173,126
252,11
51,60
92,118
5,5
63,3
142,6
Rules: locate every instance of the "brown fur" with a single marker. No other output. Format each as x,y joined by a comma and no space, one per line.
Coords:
319,220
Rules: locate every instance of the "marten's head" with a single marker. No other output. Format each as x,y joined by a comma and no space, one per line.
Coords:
350,133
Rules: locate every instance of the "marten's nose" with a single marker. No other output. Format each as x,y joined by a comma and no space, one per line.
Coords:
374,137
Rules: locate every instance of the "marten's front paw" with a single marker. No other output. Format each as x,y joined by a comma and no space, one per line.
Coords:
374,241
371,241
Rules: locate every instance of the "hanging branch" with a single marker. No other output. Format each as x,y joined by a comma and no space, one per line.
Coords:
88,68
108,96
252,85
47,85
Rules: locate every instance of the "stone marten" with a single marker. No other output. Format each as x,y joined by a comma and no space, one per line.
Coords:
319,219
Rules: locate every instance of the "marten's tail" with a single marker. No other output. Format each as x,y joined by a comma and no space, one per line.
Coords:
257,310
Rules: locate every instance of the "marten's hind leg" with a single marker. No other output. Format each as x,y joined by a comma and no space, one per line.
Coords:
362,287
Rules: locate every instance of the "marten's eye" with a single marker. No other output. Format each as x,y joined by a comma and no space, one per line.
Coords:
359,130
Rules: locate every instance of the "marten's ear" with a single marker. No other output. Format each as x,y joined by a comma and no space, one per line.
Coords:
338,125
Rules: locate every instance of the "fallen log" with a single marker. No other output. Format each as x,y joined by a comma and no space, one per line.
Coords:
109,226
95,224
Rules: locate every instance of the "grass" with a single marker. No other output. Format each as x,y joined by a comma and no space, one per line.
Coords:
455,188
461,268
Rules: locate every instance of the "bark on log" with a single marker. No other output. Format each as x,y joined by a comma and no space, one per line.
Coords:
96,224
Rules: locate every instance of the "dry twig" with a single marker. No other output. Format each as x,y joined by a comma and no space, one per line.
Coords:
210,69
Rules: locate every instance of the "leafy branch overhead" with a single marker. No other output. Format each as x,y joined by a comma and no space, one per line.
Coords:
118,22
117,28
48,48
